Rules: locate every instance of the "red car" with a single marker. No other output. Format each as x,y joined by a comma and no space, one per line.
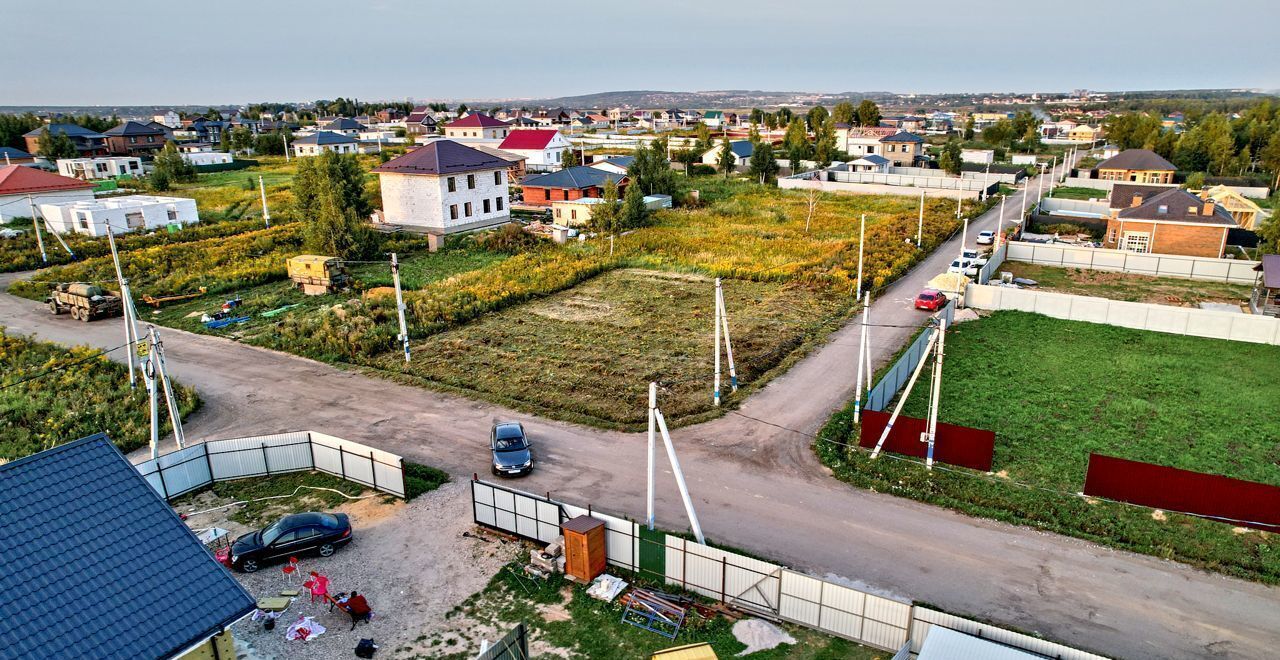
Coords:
931,300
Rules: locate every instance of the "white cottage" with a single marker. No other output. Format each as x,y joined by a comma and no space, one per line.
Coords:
542,148
123,214
322,141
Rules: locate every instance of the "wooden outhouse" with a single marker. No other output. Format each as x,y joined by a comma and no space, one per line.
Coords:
584,548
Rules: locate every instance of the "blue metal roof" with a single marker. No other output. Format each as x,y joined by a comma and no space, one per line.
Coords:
72,130
97,565
323,138
573,177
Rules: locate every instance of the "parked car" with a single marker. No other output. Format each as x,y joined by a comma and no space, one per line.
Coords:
963,266
931,300
290,536
986,237
511,450
979,259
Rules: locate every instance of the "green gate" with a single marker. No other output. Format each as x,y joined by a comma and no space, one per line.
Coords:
653,553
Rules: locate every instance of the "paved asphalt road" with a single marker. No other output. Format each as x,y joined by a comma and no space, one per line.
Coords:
755,486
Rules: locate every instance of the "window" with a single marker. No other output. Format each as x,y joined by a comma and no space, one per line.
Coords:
133,140
467,209
453,211
573,215
288,537
1111,235
471,181
497,178
499,201
559,213
565,194
1162,209
173,214
151,138
486,206
1136,242
453,184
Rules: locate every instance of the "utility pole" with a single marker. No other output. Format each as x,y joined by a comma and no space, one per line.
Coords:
920,224
866,316
653,409
284,139
675,467
959,200
1000,225
1040,185
723,313
964,236
862,355
130,330
936,393
906,392
149,373
35,224
266,213
404,331
862,236
175,416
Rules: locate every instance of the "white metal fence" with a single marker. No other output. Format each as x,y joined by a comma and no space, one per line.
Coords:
1235,271
896,377
1105,185
1140,316
1075,208
748,583
197,466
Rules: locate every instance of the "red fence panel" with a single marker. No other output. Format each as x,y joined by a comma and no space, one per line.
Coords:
957,445
1183,490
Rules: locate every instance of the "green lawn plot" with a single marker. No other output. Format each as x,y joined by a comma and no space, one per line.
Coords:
1054,391
1129,287
565,622
589,353
1079,192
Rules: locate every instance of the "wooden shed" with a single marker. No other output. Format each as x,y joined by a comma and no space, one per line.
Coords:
584,548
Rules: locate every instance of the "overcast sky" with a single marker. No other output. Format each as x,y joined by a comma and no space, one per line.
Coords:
86,52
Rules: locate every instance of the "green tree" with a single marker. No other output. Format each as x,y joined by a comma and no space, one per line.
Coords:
844,113
241,139
868,113
1270,157
651,171
335,229
763,166
771,121
56,146
784,116
224,140
817,115
569,158
824,143
170,167
753,135
1269,235
687,157
330,174
999,133
269,144
950,159
1195,181
606,215
796,141
968,129
703,133
757,116
726,159
14,127
633,214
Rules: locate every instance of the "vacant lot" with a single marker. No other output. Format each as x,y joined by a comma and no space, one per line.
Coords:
588,353
1054,391
1078,192
51,394
1129,287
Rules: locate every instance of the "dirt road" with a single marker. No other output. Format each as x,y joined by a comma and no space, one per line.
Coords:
755,485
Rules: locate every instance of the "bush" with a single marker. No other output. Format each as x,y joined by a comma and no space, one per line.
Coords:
702,170
419,479
510,238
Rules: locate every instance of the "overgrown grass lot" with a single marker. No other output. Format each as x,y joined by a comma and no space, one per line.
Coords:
80,396
588,353
565,622
1079,192
1129,287
789,271
1054,391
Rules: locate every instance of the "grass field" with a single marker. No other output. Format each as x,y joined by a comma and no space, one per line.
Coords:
1079,192
80,396
587,354
561,616
1054,391
1129,287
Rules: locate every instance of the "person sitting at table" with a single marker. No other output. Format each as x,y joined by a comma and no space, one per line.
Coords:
358,607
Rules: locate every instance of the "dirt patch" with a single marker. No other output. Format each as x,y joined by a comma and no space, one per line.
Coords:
575,310
554,612
411,560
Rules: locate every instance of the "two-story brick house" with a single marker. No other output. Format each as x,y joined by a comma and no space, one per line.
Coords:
1166,221
444,187
1137,166
135,138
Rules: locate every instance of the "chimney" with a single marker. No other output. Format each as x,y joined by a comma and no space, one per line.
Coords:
1208,207
1137,201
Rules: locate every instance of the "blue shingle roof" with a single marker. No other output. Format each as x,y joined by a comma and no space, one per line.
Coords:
323,138
72,130
575,178
96,565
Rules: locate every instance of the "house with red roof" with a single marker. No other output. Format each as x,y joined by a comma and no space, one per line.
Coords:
21,188
542,148
477,126
444,187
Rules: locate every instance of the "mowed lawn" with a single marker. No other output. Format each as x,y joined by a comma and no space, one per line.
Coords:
1129,287
1054,391
588,353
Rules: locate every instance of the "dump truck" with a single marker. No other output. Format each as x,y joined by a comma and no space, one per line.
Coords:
317,274
85,302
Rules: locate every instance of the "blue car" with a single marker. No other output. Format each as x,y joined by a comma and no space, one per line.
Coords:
511,449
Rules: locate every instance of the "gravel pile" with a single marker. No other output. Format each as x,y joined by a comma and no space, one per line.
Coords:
410,560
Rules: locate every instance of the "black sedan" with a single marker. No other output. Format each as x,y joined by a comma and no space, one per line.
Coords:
512,452
301,533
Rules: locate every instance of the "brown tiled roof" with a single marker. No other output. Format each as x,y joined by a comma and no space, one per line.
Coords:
1177,205
1136,159
1122,193
442,157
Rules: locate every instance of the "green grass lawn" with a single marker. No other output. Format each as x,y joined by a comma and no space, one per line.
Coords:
561,616
1078,192
1127,286
82,395
1054,391
588,353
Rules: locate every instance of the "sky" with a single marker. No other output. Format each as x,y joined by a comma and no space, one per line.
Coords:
141,52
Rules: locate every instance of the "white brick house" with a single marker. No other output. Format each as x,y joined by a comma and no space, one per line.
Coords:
322,141
543,148
123,214
444,187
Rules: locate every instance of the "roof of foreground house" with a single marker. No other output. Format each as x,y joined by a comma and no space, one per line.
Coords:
1270,267
97,565
442,157
1122,194
1177,205
1136,159
575,178
19,180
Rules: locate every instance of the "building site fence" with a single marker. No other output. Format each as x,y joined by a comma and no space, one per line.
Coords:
1235,271
194,467
897,375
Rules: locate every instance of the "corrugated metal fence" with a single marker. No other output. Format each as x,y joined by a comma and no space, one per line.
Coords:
197,466
893,380
1235,271
745,582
